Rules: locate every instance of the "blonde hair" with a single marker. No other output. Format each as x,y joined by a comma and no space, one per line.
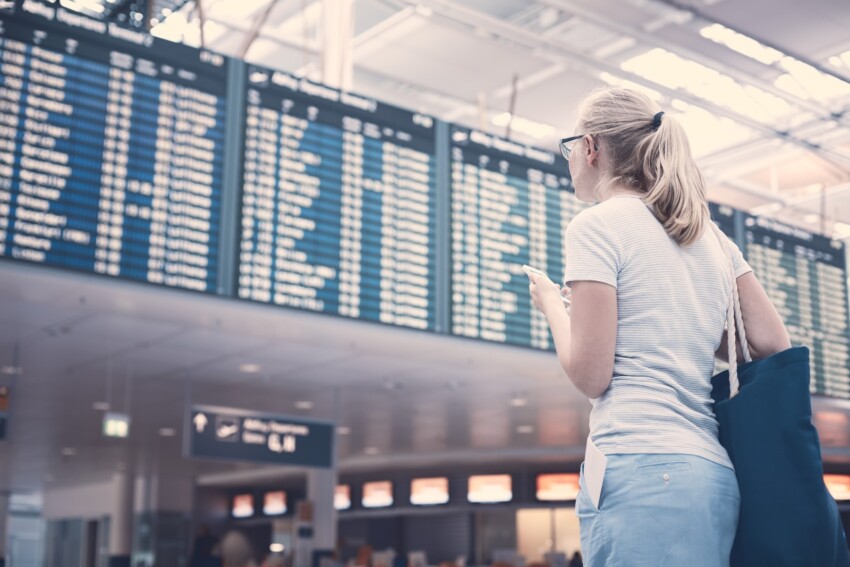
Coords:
647,157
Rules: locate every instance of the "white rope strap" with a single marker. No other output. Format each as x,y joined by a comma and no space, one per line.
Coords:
734,319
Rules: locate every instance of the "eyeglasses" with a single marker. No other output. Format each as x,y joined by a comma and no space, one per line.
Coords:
567,144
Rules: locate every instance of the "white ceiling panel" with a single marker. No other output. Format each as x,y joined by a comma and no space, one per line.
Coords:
207,340
464,64
135,329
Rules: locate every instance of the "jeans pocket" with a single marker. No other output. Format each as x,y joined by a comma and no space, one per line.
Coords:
584,504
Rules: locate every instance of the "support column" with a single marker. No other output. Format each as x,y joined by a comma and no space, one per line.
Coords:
315,520
121,520
321,487
4,532
337,37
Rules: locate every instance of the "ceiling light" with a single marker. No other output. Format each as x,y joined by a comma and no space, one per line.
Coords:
841,229
524,125
674,72
768,209
391,385
167,432
741,43
791,86
276,548
342,430
519,402
371,450
304,405
823,86
525,429
249,368
68,452
101,406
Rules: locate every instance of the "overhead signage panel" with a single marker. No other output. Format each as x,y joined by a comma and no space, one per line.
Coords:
242,435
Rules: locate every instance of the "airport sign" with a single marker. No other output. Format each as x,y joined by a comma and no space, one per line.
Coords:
244,435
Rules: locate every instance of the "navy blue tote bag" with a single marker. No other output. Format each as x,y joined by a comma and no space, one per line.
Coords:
764,410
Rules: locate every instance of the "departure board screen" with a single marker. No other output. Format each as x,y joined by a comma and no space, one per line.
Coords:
805,275
110,149
724,218
511,205
338,203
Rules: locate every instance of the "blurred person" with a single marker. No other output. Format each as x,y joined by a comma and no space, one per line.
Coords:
273,560
648,283
203,548
575,561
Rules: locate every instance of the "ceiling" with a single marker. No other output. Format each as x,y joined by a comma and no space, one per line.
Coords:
403,395
763,93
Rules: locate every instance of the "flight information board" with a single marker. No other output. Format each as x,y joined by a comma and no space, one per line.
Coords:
338,203
805,275
724,218
511,205
110,149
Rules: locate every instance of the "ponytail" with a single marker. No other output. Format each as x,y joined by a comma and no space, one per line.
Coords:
648,152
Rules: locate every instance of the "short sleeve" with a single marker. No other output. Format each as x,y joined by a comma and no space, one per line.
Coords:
740,265
593,252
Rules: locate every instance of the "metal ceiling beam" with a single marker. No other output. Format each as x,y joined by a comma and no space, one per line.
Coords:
255,28
470,19
600,20
711,20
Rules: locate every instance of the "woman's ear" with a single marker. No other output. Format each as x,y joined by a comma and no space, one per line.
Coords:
591,151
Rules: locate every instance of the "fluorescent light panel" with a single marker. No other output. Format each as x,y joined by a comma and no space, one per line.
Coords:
675,72
743,44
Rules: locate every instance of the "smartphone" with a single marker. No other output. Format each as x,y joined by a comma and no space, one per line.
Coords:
529,270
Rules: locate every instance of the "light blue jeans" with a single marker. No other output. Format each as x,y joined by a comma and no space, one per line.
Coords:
661,511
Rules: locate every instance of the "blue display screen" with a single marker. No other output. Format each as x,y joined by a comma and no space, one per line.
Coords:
724,218
511,205
804,274
111,149
338,203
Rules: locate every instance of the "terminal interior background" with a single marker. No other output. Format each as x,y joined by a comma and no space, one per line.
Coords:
763,91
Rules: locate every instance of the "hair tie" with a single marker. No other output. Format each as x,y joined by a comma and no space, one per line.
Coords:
656,120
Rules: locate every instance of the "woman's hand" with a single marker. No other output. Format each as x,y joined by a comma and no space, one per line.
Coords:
546,295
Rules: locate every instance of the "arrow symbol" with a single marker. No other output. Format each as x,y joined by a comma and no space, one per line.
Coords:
200,422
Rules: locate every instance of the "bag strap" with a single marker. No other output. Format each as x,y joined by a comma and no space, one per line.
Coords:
734,319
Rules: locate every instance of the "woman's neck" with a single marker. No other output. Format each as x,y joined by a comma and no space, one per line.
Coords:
622,192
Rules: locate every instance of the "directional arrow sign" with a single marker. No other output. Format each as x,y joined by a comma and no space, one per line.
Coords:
234,434
200,422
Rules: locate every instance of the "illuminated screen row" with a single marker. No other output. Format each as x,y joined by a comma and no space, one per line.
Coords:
433,491
126,156
482,489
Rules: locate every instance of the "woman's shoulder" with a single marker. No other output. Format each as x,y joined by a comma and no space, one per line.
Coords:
611,213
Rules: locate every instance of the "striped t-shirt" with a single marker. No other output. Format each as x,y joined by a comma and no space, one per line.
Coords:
671,313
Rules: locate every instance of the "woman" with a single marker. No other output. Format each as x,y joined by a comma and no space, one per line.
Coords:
649,285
